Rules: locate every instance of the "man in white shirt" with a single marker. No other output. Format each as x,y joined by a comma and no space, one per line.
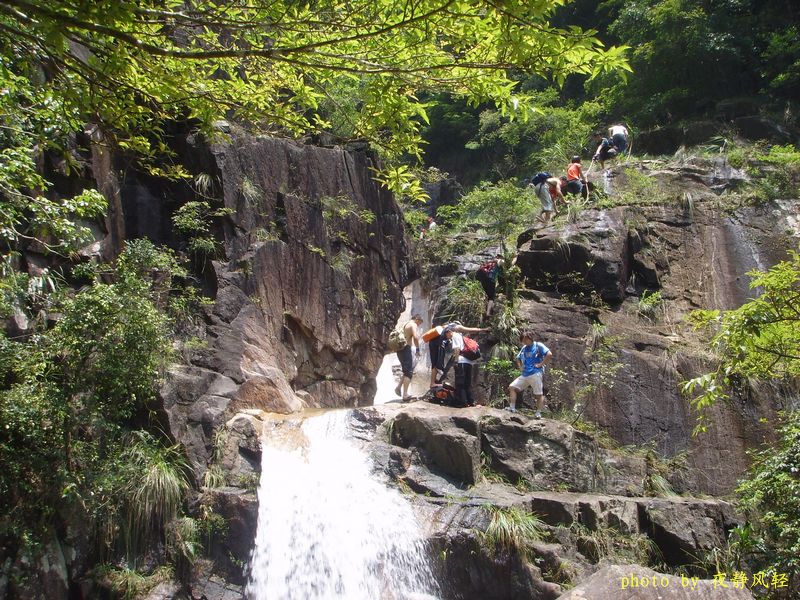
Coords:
618,134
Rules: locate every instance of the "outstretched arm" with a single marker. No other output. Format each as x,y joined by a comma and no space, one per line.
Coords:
463,329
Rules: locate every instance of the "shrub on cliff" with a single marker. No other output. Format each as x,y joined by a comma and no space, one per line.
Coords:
68,396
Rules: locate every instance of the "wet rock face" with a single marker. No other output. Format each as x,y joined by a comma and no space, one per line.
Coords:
696,257
311,283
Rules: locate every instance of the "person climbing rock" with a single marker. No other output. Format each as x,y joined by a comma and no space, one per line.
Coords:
605,150
548,190
531,359
487,275
575,178
618,134
439,347
411,332
426,231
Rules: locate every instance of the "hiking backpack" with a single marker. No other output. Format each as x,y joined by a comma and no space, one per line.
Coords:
488,266
432,333
397,339
443,394
471,349
540,177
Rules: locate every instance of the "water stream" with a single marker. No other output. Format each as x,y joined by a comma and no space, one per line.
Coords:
328,528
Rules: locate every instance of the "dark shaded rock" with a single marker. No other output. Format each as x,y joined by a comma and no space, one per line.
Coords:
168,590
549,454
231,550
216,588
444,192
40,576
467,569
731,108
661,141
616,582
698,132
241,455
758,128
589,256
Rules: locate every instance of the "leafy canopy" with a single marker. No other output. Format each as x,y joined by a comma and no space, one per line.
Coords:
133,65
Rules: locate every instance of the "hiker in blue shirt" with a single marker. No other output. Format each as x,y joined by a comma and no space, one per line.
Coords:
531,359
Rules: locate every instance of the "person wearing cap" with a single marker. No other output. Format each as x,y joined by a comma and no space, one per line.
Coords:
439,346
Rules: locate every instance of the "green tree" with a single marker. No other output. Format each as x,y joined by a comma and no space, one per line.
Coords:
771,499
501,209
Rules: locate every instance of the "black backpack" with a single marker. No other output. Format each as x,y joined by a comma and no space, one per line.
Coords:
443,394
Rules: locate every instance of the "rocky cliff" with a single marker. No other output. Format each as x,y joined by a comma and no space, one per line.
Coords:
307,285
590,281
584,282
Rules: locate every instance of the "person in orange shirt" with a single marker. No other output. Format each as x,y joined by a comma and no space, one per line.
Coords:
575,178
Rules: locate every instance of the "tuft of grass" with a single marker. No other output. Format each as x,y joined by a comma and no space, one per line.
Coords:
129,584
183,545
155,489
215,476
650,305
656,485
512,529
609,543
465,301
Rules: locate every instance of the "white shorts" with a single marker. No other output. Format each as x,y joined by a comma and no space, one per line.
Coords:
530,381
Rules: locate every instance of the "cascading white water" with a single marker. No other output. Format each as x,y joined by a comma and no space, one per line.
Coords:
327,528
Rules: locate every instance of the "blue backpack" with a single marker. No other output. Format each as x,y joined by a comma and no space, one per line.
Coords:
540,177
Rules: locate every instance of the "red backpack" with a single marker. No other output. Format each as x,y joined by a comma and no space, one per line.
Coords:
488,266
471,349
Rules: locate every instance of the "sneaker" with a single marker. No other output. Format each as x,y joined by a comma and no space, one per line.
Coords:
537,415
397,389
510,409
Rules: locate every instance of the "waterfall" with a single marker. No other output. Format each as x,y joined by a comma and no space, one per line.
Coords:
327,527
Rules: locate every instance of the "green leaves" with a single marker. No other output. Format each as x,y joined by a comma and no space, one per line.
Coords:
69,391
142,63
759,340
771,497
